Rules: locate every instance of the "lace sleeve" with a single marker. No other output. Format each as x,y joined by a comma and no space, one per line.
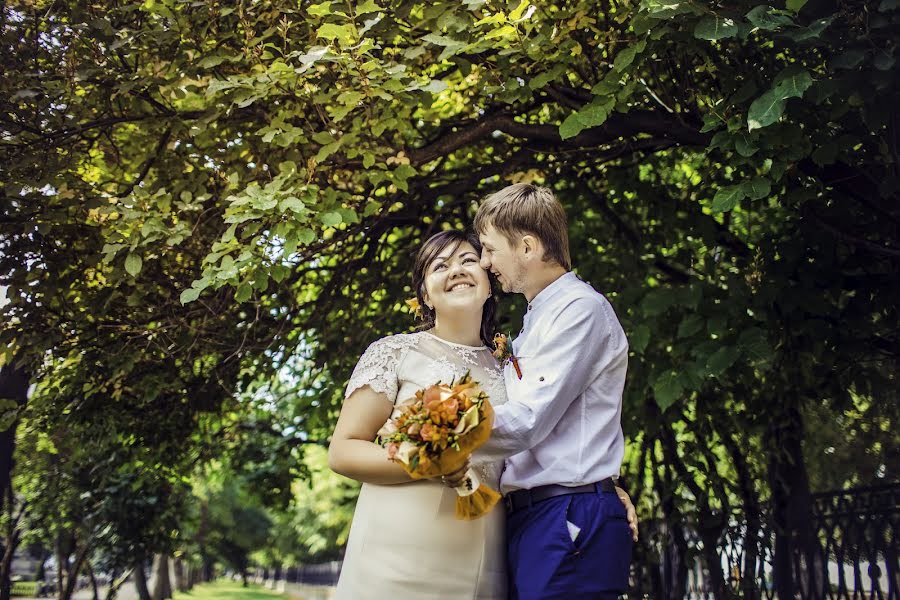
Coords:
377,368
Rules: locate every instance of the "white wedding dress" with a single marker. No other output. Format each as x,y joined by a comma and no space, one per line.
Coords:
405,541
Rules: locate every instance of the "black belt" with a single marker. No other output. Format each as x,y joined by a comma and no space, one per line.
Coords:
523,498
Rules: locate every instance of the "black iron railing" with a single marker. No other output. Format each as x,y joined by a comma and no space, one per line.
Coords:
854,554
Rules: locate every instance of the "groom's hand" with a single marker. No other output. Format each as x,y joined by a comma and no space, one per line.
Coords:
629,511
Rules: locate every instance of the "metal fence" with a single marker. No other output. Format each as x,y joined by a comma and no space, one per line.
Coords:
856,556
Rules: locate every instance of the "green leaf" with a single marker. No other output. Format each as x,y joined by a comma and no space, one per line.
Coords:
814,30
657,301
745,145
639,338
792,83
768,108
758,188
690,325
768,19
765,110
367,7
722,359
624,58
331,219
133,264
754,344
243,292
667,389
592,115
796,5
323,137
666,9
189,295
570,127
435,86
320,10
342,33
293,204
501,32
849,59
714,28
728,197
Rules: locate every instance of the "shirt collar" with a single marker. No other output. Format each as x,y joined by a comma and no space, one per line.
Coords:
551,290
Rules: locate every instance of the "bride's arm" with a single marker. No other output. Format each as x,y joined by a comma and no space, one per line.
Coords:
352,453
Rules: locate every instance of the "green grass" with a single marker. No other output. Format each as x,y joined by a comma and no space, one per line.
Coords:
228,590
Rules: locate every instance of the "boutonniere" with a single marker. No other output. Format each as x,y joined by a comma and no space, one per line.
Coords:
503,352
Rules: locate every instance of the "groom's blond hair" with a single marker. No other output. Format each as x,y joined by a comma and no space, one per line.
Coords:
525,208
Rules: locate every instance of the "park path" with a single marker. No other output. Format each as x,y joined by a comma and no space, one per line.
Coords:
293,591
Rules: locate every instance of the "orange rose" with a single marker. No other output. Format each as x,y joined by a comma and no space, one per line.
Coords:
392,450
432,395
427,431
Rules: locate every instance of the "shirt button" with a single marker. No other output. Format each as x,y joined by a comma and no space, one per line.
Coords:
529,307
541,379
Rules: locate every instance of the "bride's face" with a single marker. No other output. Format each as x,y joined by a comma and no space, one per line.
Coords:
455,281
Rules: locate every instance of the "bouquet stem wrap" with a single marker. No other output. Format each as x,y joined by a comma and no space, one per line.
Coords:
475,498
469,417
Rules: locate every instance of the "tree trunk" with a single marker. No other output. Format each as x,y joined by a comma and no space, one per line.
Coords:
13,535
62,562
13,386
140,581
799,564
710,523
181,580
116,584
65,593
675,549
750,587
12,543
90,570
162,588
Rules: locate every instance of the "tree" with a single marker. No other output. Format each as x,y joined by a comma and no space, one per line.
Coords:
225,193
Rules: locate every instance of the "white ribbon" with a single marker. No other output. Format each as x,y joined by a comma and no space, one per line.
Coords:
469,485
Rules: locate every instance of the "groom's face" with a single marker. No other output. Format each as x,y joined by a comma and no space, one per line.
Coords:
502,259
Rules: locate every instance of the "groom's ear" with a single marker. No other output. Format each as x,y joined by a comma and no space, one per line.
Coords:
529,245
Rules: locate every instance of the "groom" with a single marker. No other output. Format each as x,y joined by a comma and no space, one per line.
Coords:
567,530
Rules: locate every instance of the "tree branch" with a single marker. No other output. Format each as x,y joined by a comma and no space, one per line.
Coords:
618,125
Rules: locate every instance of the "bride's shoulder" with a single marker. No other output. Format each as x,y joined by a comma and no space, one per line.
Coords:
397,341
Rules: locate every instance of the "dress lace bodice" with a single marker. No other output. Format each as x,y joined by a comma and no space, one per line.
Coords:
398,365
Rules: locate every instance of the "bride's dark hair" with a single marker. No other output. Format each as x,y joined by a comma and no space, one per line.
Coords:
430,250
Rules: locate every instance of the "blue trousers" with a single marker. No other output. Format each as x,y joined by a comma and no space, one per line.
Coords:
544,562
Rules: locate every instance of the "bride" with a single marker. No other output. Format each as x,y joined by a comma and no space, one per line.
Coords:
405,541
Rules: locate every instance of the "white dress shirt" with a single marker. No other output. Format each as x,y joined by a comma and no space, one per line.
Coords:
562,421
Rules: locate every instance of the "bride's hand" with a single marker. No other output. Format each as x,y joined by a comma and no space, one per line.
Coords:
454,479
629,511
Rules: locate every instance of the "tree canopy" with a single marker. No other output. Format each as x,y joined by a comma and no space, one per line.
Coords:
210,209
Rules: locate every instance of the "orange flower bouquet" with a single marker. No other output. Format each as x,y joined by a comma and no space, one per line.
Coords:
434,434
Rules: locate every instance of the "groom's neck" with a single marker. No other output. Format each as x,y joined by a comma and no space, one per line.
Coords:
541,278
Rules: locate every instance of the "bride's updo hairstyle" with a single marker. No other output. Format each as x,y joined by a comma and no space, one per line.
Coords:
429,251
